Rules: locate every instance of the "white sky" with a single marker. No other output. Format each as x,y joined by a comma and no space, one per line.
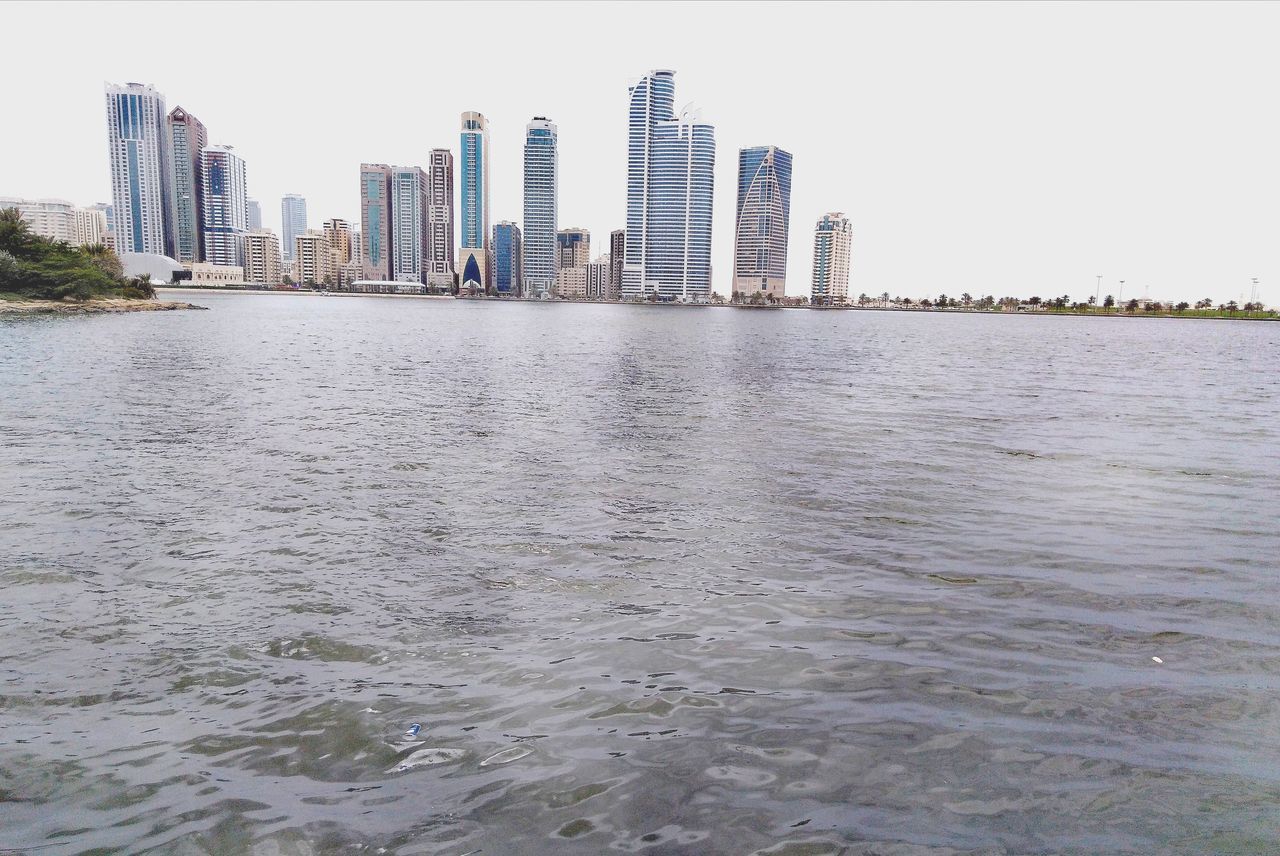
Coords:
990,148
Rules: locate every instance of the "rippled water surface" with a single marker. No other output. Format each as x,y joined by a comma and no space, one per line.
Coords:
652,580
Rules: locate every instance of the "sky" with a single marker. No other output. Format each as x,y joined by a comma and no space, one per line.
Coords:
988,148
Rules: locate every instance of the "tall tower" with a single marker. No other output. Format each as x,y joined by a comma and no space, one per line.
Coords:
187,139
541,168
375,220
832,240
617,253
507,250
473,258
440,251
293,221
140,152
408,224
670,184
226,209
763,215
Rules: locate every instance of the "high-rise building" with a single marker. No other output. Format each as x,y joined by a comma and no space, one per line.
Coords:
541,168
473,257
140,153
375,220
409,228
51,218
573,247
293,221
338,238
440,249
760,228
226,211
507,254
91,226
598,274
312,262
617,255
255,215
670,184
187,139
357,252
832,240
262,258
571,282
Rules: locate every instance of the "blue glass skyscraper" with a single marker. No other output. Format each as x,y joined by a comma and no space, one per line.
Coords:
541,166
473,192
140,151
761,225
507,255
670,184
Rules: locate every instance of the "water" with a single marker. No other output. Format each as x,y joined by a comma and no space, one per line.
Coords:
653,580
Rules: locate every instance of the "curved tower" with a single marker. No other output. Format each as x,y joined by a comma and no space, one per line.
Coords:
761,227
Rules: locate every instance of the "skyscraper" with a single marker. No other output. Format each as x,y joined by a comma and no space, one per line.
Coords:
140,151
375,220
760,228
91,226
187,139
507,250
255,215
293,221
226,209
541,168
832,240
409,233
617,254
440,250
338,238
313,264
473,257
670,183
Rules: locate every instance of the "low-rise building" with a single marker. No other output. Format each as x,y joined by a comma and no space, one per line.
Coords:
209,274
571,283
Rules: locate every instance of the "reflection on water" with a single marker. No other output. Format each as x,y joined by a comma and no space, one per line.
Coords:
652,580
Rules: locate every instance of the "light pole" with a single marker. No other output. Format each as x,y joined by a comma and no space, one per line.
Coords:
1097,294
1120,299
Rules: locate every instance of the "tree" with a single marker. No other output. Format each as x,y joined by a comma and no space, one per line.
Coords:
1232,306
1183,306
942,301
1059,303
1132,306
863,300
885,297
286,279
1093,299
1108,302
1034,301
966,298
925,303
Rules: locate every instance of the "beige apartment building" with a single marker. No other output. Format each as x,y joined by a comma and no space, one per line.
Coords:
262,258
832,239
312,259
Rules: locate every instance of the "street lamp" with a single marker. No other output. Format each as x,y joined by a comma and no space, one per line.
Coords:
1097,294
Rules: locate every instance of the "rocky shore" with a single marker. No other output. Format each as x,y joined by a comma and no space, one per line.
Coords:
89,307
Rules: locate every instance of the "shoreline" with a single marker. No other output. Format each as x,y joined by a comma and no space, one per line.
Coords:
848,308
93,306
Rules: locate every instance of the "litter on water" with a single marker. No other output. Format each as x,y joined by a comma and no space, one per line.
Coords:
1157,659
428,757
413,730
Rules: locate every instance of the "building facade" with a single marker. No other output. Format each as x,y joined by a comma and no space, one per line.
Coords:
90,226
573,247
262,265
762,222
51,218
670,184
293,221
226,207
312,262
140,153
375,220
409,227
571,283
541,188
598,274
507,253
255,215
440,247
208,273
187,140
832,243
473,192
617,254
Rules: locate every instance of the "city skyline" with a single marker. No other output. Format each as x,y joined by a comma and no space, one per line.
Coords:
1019,165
